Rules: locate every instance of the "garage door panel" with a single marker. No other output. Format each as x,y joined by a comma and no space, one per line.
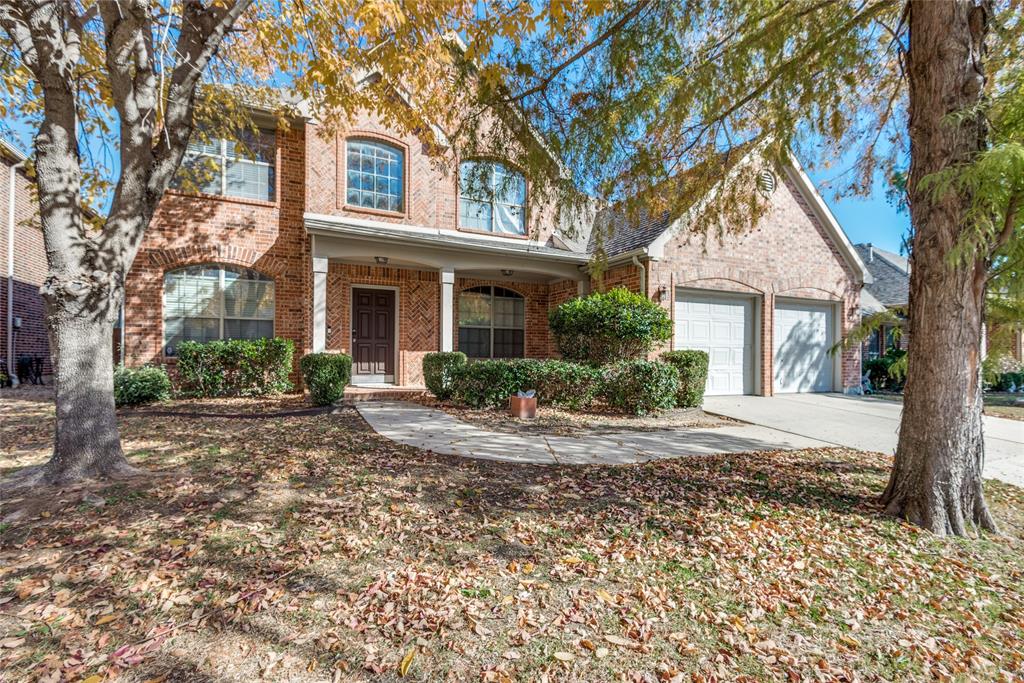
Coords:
803,333
721,326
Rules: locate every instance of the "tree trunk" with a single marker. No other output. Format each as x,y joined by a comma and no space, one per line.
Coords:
936,480
87,443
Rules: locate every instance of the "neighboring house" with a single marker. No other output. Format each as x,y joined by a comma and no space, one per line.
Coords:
889,289
358,243
23,322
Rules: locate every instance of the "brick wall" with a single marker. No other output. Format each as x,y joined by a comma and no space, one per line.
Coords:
267,236
29,270
787,254
431,180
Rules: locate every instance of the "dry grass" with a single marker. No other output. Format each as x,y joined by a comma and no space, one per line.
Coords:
307,548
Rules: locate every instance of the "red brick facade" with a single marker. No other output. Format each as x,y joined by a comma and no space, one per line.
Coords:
31,339
788,254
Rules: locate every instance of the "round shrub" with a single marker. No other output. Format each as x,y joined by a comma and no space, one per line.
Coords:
440,370
489,383
326,375
641,387
693,375
136,386
609,327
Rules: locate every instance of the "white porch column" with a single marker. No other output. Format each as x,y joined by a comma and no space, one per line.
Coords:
447,307
319,304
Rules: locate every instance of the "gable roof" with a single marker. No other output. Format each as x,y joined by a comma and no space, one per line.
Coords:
890,274
650,233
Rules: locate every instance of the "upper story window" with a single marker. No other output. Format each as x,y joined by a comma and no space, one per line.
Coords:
209,302
492,198
373,178
241,167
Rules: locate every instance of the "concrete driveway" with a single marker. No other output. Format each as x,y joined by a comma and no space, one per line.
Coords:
868,424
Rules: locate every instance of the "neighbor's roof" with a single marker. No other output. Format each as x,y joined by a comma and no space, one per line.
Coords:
890,272
620,235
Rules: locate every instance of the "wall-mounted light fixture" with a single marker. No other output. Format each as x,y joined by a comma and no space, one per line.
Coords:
660,294
381,260
507,272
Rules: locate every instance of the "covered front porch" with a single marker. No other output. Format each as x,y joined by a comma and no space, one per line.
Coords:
388,294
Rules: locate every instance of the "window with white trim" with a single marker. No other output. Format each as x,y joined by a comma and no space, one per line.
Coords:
239,167
209,302
491,322
492,198
373,175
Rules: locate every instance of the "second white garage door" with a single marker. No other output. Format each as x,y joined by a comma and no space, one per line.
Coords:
722,326
803,334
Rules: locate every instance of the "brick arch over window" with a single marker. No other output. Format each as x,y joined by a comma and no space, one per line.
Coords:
171,259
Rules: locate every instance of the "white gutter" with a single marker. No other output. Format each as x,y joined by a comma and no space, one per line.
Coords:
12,179
643,275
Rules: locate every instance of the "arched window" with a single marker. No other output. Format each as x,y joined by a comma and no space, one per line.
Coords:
491,321
208,302
492,198
373,177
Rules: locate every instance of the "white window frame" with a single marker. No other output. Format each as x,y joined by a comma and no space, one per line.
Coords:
223,157
219,297
402,163
493,200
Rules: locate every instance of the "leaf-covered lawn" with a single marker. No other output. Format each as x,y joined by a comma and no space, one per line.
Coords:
308,548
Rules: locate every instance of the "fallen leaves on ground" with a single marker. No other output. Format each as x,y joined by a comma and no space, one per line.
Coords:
309,548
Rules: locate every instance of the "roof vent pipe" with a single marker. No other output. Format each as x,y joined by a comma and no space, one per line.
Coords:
643,274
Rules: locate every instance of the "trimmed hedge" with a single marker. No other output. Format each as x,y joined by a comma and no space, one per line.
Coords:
440,371
235,367
489,383
1007,379
693,375
641,386
609,327
326,375
561,383
136,386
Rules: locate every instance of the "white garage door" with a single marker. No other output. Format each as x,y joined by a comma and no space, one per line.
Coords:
803,336
723,327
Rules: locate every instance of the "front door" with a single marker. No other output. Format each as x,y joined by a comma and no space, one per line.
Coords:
373,335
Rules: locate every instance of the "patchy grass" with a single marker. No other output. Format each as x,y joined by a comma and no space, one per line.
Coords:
307,548
996,404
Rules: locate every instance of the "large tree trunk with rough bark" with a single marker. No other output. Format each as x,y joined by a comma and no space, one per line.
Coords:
936,480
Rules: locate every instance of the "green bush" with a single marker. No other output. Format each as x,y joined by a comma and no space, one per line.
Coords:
136,386
235,367
641,386
489,383
440,371
561,383
693,375
326,375
609,327
1008,379
887,372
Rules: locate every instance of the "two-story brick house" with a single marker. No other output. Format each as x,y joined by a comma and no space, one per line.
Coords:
359,243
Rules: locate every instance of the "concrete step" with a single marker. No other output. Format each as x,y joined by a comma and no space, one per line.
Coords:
358,394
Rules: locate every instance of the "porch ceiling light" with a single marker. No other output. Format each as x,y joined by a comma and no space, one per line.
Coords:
381,260
507,272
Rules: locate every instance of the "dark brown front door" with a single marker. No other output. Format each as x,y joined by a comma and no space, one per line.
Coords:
373,335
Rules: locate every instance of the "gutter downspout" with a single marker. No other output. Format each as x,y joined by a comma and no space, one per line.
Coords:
12,178
643,275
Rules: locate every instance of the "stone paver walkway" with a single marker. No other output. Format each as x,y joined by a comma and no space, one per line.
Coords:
412,424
